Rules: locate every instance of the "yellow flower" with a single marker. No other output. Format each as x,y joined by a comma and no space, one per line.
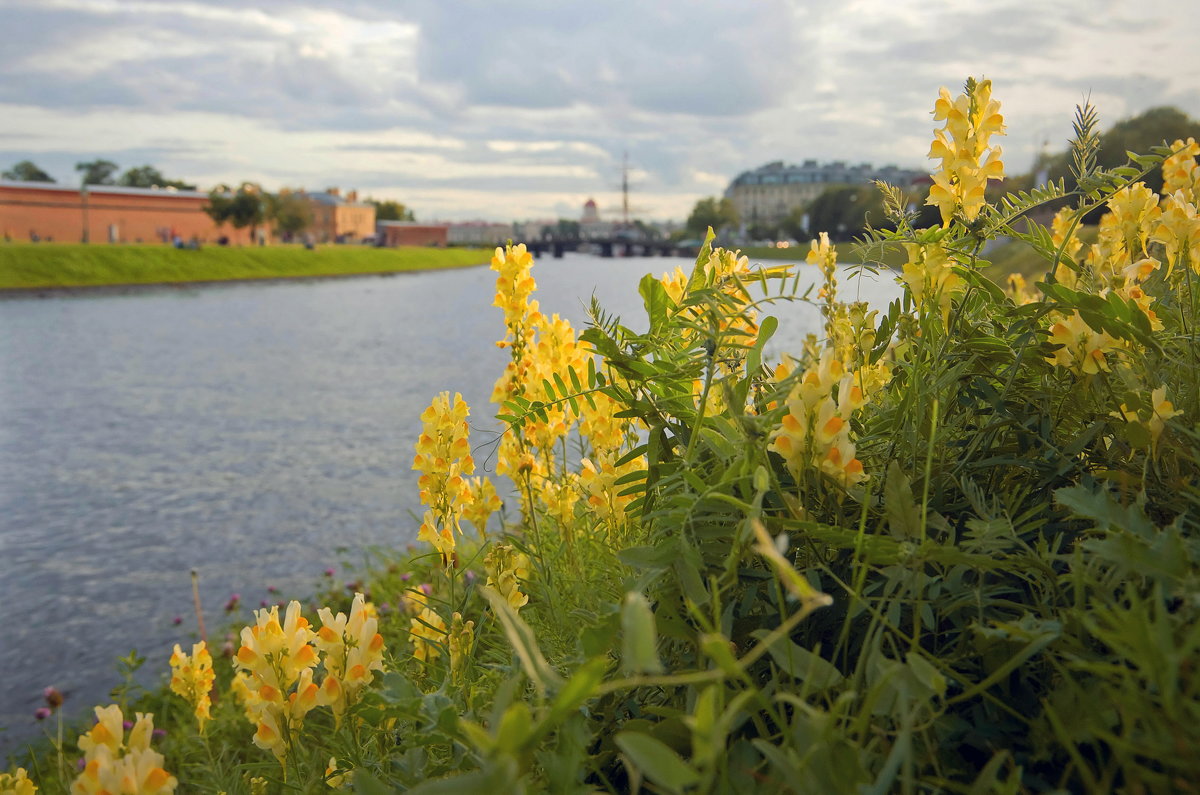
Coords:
192,677
598,484
17,783
930,277
1179,231
815,431
279,660
459,641
1134,212
352,648
1083,348
443,456
1180,172
480,502
1154,418
507,568
338,781
962,146
116,764
428,632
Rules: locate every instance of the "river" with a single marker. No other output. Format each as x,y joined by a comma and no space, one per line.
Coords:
258,433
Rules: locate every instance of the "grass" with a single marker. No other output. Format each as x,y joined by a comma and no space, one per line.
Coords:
31,266
846,253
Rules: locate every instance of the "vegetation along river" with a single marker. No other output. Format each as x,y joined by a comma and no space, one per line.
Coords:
257,433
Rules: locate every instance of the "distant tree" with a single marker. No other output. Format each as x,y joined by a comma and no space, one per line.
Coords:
242,208
1138,134
26,171
762,231
567,228
795,225
97,172
149,177
388,210
717,213
290,213
843,211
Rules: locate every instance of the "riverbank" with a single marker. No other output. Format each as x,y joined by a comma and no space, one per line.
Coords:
59,265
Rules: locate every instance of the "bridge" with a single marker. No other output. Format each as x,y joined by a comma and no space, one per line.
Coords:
613,247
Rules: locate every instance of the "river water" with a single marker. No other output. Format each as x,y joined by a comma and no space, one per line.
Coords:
257,433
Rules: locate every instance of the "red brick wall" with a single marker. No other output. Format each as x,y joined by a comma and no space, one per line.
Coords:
56,213
414,235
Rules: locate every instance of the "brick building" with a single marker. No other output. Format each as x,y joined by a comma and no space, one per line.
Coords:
410,233
338,219
47,211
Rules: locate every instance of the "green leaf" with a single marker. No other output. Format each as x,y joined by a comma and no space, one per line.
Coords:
578,689
639,637
766,330
801,664
656,301
366,784
904,517
523,641
657,761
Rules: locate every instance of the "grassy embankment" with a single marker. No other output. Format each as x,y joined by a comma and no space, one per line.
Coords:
74,265
1011,256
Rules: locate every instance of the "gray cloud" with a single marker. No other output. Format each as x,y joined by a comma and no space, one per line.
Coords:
383,94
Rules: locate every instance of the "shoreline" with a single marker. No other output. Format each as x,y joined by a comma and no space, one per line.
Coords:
126,288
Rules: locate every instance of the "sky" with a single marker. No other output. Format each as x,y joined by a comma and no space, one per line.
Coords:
523,109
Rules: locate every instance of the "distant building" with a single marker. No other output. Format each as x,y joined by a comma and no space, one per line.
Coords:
410,233
590,225
112,214
591,213
338,219
770,193
478,233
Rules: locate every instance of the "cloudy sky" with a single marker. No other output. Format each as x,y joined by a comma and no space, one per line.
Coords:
522,109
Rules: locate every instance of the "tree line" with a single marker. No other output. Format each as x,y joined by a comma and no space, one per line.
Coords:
846,210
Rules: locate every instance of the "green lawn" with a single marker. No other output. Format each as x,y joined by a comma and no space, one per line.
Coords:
847,253
76,265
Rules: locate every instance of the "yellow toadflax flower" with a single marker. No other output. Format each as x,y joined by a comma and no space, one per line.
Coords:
815,431
192,677
1179,231
116,764
1180,172
428,633
443,457
1083,348
930,278
279,659
17,783
962,146
334,779
1152,419
507,568
459,641
352,648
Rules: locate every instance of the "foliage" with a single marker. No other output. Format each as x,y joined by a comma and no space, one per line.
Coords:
712,212
245,207
844,210
1154,127
949,545
97,172
150,177
290,213
26,171
388,210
